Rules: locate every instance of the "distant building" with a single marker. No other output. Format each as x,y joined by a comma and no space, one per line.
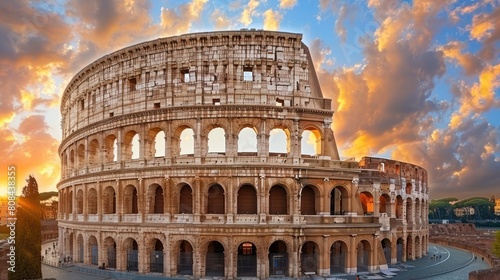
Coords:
464,211
497,207
49,208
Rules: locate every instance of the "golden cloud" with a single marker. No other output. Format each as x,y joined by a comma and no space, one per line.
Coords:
249,12
272,19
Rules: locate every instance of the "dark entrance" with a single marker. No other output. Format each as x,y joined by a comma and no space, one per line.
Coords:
278,259
215,259
247,260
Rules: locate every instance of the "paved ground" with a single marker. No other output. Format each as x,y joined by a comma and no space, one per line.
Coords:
443,263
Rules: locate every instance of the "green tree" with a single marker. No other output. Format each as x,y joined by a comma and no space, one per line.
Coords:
496,244
28,234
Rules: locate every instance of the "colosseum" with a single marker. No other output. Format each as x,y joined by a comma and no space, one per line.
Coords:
212,155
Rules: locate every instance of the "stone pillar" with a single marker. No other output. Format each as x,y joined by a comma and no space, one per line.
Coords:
352,261
99,201
324,261
373,266
294,257
197,200
142,255
229,199
376,199
352,198
263,201
119,200
120,262
119,145
85,202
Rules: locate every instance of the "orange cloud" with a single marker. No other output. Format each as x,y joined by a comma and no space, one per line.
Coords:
272,19
287,4
249,12
174,23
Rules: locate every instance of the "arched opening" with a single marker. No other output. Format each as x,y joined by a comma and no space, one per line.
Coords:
399,250
217,140
132,250
185,261
156,257
81,250
247,140
278,259
418,250
386,247
409,248
409,188
279,141
70,202
216,202
278,201
384,205
110,248
247,260
310,142
309,257
111,148
399,207
363,256
131,145
157,200
135,147
338,203
418,215
247,200
70,247
81,156
338,257
366,202
215,259
409,213
109,200
94,152
186,142
186,200
159,144
130,200
79,202
92,201
308,201
93,250
72,159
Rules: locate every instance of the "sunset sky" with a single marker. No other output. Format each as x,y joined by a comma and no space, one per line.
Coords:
415,81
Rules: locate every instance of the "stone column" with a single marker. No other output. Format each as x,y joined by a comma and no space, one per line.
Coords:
352,198
324,267
376,199
352,260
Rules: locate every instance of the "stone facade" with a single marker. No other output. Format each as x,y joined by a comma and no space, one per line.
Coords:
187,156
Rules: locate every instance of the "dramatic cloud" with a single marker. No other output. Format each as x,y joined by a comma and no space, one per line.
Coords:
272,20
249,12
180,21
287,4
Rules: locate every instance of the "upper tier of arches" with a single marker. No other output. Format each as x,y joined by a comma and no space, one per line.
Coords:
257,68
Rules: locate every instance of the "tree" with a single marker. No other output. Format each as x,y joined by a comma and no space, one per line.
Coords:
28,234
496,244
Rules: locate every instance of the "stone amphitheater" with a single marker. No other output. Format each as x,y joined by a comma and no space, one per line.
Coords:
213,155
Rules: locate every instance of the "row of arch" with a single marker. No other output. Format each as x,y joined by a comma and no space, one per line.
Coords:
155,143
158,200
341,256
